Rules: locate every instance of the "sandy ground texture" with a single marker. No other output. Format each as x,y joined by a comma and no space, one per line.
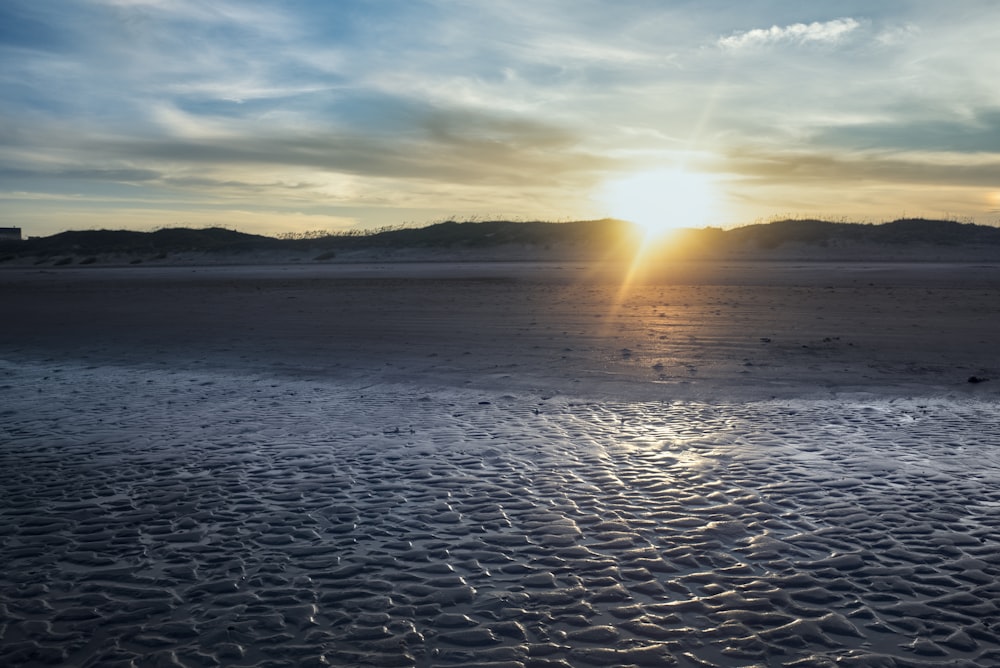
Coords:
506,465
698,330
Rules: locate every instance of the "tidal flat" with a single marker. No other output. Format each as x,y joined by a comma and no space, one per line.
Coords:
179,500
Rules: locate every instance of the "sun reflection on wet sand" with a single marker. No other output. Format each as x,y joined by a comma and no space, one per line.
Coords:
649,251
404,525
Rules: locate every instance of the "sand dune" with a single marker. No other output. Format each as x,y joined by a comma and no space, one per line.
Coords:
500,465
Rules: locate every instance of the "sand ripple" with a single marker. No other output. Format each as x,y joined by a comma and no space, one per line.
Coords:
150,518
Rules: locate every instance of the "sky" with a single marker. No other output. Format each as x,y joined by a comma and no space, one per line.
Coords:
287,116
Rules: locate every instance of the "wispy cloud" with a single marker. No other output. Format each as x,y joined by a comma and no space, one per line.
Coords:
796,33
899,168
897,35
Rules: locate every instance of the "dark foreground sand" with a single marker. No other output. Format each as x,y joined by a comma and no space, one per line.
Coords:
500,465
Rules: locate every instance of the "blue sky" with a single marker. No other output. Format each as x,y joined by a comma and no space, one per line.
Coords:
275,116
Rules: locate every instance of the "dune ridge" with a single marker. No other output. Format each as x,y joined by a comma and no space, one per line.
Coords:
904,239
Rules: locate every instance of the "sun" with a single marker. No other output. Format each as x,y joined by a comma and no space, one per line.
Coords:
661,201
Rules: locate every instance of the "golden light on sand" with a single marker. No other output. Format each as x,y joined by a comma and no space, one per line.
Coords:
661,201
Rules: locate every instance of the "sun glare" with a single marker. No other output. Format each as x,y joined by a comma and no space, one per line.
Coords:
661,201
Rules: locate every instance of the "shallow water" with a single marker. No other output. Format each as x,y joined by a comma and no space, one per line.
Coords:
158,518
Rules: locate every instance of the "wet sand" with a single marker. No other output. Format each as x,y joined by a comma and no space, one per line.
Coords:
743,330
504,465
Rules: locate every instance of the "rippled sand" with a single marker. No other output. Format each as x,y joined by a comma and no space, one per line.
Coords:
161,518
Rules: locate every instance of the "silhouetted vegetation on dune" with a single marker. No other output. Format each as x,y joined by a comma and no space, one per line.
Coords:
593,235
445,235
177,239
904,231
452,234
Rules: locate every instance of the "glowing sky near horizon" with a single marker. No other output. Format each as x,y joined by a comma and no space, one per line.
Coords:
273,116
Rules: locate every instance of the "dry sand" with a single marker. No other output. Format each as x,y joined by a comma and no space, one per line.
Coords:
743,464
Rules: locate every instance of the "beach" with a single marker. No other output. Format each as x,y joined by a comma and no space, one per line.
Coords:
501,464
708,330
